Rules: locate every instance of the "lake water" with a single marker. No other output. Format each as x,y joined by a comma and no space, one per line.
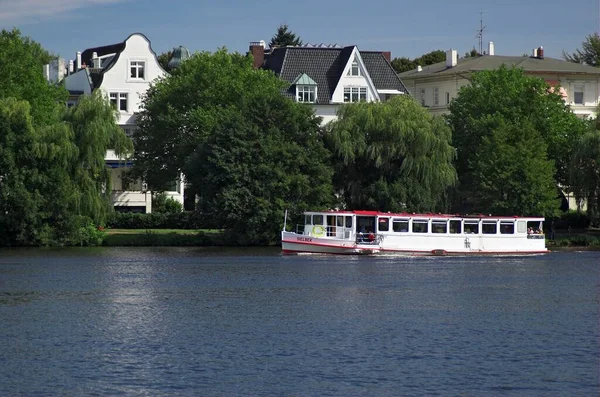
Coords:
194,322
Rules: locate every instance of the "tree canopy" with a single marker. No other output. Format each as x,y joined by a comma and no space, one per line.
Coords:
21,62
404,64
247,151
163,60
585,174
484,117
284,37
53,179
589,54
391,156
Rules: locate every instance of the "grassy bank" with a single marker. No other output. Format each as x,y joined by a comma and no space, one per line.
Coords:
589,238
162,237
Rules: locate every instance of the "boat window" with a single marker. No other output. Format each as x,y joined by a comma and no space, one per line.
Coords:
471,227
439,226
400,225
419,226
507,227
455,226
317,219
489,227
521,227
349,222
308,219
340,221
383,224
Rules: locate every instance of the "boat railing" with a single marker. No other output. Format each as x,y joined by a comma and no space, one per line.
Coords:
325,231
368,238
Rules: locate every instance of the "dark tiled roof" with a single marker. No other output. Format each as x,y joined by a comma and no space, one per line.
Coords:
382,73
489,62
325,66
86,56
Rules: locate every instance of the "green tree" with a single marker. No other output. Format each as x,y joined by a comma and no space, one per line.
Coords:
404,64
53,179
284,37
589,54
246,150
163,204
391,156
585,174
509,97
94,131
163,60
512,173
21,77
471,54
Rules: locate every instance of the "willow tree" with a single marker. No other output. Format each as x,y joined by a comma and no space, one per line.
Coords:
585,174
391,156
94,131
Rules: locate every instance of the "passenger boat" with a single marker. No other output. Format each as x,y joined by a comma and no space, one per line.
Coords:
372,232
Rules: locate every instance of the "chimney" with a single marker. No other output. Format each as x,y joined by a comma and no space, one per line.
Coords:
95,60
47,72
78,60
535,51
257,49
451,58
419,68
491,48
540,52
71,66
387,55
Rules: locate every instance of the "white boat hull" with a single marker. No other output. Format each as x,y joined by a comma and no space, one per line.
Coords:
293,243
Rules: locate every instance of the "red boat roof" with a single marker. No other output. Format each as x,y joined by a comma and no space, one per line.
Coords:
419,215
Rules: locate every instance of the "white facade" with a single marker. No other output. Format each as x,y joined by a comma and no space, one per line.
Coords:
125,75
579,84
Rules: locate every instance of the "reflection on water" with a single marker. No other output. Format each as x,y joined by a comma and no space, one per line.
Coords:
252,322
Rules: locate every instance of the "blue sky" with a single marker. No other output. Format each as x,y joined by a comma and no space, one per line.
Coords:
406,28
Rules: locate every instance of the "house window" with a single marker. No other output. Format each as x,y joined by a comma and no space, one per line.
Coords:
354,69
355,94
137,69
123,102
436,96
447,98
119,100
128,130
578,94
113,98
306,93
423,96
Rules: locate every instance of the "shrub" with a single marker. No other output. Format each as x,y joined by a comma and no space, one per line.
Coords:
178,220
161,203
85,233
572,219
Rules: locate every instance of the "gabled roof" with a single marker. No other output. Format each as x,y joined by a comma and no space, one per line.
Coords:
96,74
325,66
489,62
303,79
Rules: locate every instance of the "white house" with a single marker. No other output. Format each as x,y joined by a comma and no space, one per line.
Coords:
328,76
435,85
123,73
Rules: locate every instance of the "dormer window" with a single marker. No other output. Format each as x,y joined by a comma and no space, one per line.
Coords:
354,69
306,93
306,89
137,69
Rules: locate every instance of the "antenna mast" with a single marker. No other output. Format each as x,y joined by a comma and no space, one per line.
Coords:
480,33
